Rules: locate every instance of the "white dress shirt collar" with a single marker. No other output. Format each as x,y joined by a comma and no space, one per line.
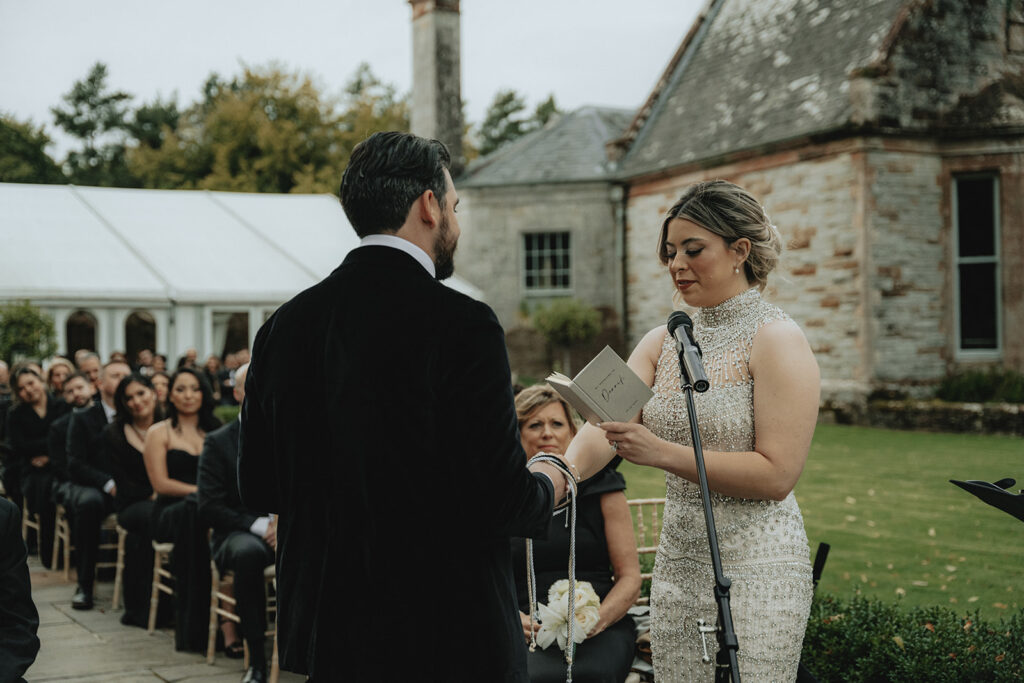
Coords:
384,240
108,411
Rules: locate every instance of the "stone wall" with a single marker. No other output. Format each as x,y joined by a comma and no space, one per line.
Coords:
817,205
493,221
908,276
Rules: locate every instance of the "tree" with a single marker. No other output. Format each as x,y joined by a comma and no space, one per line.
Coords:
268,131
25,332
23,157
98,118
504,120
566,323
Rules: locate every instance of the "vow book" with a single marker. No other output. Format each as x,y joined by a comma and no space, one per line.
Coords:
604,391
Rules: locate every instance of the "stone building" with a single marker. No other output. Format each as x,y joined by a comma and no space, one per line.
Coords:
884,138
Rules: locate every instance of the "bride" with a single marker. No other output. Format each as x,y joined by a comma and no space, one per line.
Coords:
756,424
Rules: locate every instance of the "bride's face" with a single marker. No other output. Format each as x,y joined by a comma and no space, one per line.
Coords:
547,429
703,267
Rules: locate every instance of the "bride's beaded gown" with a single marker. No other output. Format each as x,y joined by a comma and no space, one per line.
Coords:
762,542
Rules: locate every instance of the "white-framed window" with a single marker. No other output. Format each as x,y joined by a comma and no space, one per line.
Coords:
547,262
977,293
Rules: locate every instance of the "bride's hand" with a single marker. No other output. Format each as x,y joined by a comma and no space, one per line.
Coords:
634,442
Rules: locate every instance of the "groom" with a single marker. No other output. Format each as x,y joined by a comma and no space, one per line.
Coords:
379,424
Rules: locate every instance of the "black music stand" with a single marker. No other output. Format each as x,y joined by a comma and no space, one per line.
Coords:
996,494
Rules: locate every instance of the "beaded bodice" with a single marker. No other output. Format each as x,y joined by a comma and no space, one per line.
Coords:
725,416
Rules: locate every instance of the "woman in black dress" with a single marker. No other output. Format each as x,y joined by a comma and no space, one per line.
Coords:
171,455
605,552
125,438
28,424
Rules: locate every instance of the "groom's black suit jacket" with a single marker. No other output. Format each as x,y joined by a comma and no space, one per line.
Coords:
379,423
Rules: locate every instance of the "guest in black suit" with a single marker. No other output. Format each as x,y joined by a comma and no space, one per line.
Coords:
27,426
125,438
92,497
392,454
243,540
78,391
19,619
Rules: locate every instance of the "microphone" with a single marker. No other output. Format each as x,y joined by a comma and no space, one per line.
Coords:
681,328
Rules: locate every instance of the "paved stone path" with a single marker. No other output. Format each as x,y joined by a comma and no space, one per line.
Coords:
92,646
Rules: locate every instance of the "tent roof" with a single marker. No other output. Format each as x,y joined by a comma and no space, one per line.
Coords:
94,243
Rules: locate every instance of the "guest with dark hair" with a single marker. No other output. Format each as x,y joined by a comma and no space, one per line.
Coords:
27,426
159,363
19,619
189,360
92,496
137,410
77,394
171,455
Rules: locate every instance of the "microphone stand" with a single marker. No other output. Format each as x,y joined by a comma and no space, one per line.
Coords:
726,663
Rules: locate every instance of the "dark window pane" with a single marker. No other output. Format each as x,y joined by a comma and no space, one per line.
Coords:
529,280
978,306
976,220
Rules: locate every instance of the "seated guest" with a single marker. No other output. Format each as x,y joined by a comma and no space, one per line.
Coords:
137,410
59,370
605,548
89,363
211,371
78,392
243,540
171,455
159,363
162,385
28,424
144,362
91,498
19,619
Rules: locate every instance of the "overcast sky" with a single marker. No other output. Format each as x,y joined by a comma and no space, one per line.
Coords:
600,52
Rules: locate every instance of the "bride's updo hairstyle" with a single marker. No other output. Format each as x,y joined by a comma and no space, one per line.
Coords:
732,213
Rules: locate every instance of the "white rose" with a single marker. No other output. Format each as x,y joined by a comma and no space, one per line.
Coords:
558,590
586,619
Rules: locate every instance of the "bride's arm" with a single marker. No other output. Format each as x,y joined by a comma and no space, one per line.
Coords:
786,389
590,450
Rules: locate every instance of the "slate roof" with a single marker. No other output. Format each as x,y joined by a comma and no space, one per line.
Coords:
755,72
95,243
570,149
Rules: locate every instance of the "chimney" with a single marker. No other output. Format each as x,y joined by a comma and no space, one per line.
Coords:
436,83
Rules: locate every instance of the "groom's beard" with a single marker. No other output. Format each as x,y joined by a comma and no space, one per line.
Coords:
444,251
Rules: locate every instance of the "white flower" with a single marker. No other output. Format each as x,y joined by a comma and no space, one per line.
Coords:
554,616
558,589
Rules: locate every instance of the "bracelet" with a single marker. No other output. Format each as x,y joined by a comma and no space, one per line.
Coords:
563,467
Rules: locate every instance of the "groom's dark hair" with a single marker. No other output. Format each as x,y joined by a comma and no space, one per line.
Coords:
386,173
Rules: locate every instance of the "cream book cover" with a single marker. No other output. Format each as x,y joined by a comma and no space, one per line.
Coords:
606,390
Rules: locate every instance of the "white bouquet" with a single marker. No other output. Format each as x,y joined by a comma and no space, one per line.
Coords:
554,616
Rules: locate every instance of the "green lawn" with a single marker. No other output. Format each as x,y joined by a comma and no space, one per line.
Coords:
897,527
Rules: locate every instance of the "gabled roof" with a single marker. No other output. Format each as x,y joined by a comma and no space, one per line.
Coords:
570,149
755,72
92,243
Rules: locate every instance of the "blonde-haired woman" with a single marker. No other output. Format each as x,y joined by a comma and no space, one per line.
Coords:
756,424
605,552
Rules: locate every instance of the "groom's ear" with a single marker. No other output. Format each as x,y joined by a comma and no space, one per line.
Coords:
428,209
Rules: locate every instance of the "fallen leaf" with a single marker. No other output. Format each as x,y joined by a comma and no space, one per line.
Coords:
951,568
851,518
973,598
1000,657
901,592
919,583
1000,605
899,642
930,626
850,500
931,531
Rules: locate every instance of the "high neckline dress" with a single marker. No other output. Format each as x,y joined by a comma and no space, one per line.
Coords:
762,542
